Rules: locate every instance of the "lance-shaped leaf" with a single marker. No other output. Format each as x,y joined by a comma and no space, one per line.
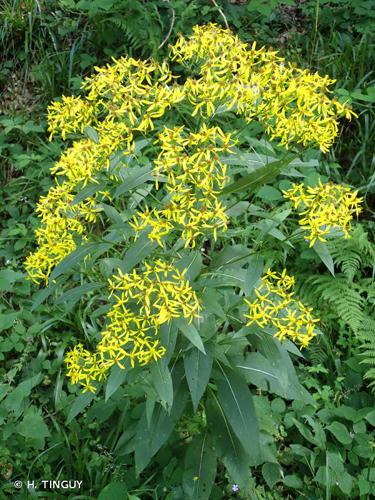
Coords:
75,294
198,370
137,252
200,468
252,181
190,332
115,379
237,403
162,382
78,255
323,252
228,446
153,432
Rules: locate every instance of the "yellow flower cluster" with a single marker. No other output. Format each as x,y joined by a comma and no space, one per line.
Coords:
144,301
194,177
276,306
293,104
324,208
60,220
121,99
126,97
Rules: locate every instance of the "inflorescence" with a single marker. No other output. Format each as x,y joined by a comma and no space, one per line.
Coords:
130,98
143,302
275,306
324,208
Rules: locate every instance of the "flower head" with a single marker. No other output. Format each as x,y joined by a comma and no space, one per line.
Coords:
275,306
143,302
324,208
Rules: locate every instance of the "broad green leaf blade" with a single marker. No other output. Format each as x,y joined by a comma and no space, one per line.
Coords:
150,438
250,182
162,382
113,215
79,405
115,490
340,432
200,468
228,446
115,379
227,277
88,191
76,293
322,251
277,355
92,134
137,176
257,370
137,252
237,402
253,273
198,370
192,263
229,255
41,295
77,256
190,332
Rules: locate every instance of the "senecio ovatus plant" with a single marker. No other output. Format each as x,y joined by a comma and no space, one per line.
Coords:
130,100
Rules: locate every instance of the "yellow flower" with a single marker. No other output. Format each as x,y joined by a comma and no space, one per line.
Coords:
143,302
324,208
195,175
274,305
293,104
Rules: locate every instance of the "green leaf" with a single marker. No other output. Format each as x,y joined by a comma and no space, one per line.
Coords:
345,483
7,320
277,354
88,191
340,432
269,193
75,294
150,438
8,277
14,402
200,468
370,417
136,176
228,446
250,182
115,379
192,263
113,215
41,295
113,490
253,273
77,256
198,370
364,486
238,406
230,254
92,134
227,277
162,382
293,481
322,251
79,405
33,428
190,332
271,473
137,252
